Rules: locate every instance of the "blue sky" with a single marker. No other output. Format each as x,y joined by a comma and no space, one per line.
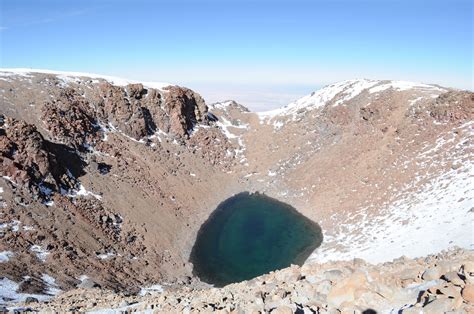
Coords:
262,53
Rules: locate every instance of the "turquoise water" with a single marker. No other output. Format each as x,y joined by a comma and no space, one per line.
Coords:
249,235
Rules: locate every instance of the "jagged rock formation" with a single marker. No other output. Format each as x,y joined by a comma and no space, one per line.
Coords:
69,131
70,119
32,163
112,179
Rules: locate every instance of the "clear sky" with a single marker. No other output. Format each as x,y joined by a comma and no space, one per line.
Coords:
262,53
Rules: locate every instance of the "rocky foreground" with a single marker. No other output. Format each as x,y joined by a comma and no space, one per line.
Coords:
433,284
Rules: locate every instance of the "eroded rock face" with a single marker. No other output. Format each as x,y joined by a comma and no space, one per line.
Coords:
30,161
185,108
453,106
126,113
71,120
70,140
139,112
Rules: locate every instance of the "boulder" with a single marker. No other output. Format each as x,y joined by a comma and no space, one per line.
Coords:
87,283
135,90
29,300
333,275
288,275
431,274
409,273
450,291
439,306
324,287
468,268
468,293
345,290
283,310
453,278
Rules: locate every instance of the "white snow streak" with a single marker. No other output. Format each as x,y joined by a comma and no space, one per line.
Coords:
5,256
69,77
403,85
40,252
9,294
51,286
151,290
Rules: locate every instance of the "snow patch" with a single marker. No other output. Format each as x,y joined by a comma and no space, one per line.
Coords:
106,255
5,256
413,101
11,72
220,105
355,89
40,252
68,77
9,294
51,286
83,192
9,179
14,225
151,290
278,124
224,124
318,99
49,203
403,85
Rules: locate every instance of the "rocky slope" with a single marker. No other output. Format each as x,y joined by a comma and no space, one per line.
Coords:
95,175
435,284
106,182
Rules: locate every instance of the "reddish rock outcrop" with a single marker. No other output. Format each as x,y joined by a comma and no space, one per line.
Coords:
123,112
185,108
70,119
453,106
139,112
29,160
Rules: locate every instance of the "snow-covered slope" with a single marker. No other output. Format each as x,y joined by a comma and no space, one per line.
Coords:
341,92
425,218
75,76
